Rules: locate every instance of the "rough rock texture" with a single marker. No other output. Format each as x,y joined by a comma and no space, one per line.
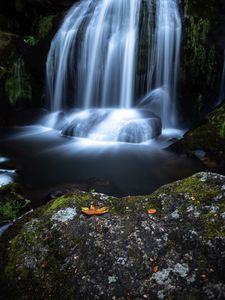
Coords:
177,253
207,141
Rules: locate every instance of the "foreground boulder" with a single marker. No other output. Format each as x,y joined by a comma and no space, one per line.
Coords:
175,253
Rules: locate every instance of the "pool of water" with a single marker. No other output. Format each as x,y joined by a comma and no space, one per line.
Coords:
45,159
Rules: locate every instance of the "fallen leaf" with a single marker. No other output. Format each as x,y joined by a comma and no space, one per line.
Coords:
152,211
151,259
92,210
155,269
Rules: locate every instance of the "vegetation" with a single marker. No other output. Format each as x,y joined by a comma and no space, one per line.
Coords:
199,55
11,209
44,26
13,203
17,85
209,136
31,40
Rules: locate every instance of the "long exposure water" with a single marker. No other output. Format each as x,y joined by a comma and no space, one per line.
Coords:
96,56
45,160
112,76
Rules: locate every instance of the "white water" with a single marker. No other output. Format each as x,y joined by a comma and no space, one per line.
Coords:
94,61
168,38
123,125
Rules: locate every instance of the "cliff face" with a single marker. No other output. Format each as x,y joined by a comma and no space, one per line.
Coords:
26,30
27,27
202,55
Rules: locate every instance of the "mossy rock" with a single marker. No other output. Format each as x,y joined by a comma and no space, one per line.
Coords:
209,136
177,253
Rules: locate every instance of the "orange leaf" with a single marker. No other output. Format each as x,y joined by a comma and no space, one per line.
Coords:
94,211
155,269
152,211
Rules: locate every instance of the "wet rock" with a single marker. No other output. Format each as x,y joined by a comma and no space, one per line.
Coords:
110,125
140,130
55,194
207,141
58,252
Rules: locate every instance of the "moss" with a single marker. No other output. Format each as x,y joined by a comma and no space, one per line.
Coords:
59,203
46,258
44,26
43,270
3,71
208,136
200,55
4,40
203,263
10,210
17,85
182,209
7,47
199,192
31,40
122,206
197,32
213,227
77,199
199,60
13,203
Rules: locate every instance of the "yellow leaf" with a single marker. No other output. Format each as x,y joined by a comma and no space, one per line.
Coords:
94,211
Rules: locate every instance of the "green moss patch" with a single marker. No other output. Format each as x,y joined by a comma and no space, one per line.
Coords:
17,84
199,192
12,202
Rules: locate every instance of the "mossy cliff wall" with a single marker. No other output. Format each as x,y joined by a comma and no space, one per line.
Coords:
202,55
26,30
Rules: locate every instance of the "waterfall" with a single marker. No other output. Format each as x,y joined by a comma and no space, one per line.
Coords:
95,49
110,53
168,38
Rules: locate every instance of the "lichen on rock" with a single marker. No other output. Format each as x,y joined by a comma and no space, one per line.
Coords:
125,253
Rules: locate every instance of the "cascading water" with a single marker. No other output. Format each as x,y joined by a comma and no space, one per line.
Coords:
94,64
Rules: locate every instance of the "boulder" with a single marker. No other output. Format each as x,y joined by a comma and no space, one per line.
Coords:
208,137
176,252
